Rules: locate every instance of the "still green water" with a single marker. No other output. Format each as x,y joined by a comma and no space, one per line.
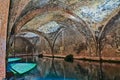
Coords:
58,69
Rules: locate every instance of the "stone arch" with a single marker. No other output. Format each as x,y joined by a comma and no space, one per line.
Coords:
26,43
40,34
75,35
109,36
33,13
70,19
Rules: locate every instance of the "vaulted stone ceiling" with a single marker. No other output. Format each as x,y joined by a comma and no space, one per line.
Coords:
33,14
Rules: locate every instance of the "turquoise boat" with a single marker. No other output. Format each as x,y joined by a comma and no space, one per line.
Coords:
21,68
14,59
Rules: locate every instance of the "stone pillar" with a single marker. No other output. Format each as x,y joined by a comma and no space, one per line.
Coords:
4,9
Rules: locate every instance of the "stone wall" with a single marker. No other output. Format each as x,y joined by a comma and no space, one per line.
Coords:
4,8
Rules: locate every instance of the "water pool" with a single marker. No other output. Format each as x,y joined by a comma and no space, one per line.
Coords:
58,69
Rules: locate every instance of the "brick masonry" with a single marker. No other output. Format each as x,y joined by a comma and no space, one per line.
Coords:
4,9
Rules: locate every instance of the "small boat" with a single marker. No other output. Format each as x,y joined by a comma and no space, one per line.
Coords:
14,59
21,68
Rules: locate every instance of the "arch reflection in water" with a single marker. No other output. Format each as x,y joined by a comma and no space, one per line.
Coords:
47,69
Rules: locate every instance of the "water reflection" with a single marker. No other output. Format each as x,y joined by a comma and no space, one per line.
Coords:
58,69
